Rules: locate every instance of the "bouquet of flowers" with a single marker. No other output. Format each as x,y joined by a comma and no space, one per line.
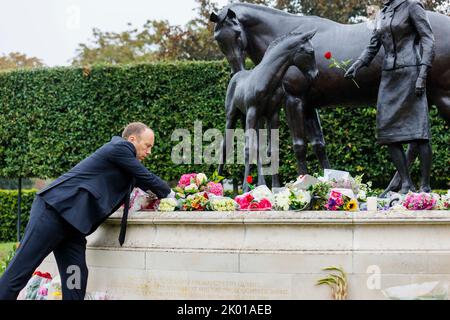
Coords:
140,200
248,202
223,204
361,189
341,202
262,192
193,183
288,199
319,195
419,201
37,287
196,202
443,203
168,204
55,290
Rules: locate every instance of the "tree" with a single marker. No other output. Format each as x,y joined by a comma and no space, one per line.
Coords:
158,40
16,60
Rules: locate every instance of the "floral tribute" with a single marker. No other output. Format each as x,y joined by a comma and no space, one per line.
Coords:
419,201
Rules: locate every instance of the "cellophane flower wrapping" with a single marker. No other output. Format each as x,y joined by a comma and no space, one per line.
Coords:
55,290
37,287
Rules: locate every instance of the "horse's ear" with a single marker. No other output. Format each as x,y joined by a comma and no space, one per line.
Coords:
231,14
309,35
214,17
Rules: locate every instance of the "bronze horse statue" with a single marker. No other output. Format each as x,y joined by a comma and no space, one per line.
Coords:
251,92
246,29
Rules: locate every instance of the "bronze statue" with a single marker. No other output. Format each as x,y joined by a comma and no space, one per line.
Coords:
246,29
251,91
403,29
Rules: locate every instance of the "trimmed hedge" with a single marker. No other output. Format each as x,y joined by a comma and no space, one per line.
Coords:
8,213
50,119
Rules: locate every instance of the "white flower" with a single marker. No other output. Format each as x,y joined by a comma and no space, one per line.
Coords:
167,204
282,200
362,196
192,188
303,196
200,179
223,204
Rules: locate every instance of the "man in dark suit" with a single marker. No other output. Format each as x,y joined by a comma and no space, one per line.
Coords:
75,204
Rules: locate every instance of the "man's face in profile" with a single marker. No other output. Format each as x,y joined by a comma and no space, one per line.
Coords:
143,143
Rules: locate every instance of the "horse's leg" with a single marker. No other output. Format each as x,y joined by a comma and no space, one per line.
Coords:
250,127
296,122
261,179
230,124
315,136
274,124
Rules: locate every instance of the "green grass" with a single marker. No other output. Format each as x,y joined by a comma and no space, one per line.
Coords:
5,248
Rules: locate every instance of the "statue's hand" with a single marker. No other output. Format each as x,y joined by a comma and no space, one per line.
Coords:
420,86
351,72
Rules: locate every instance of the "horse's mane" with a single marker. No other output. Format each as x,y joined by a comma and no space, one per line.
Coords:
275,42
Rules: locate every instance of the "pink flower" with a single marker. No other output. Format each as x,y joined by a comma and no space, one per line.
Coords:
264,204
215,188
335,195
244,200
419,201
339,202
185,179
43,291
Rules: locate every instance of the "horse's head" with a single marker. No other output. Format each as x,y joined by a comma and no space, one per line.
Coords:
231,38
304,56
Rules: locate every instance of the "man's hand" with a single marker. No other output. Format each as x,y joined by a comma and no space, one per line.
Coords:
420,86
171,194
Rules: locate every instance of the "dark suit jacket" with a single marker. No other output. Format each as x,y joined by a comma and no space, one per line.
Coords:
403,28
96,187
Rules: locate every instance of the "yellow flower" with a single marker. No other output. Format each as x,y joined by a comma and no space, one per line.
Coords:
352,205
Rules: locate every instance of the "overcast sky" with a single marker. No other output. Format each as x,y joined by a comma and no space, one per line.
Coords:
52,29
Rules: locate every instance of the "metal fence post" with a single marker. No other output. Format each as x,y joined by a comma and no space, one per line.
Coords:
19,203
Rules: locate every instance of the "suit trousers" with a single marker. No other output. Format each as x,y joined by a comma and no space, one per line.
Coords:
48,232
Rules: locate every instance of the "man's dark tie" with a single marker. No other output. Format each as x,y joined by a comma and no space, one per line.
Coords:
123,224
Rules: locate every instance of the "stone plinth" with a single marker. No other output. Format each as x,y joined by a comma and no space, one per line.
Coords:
265,255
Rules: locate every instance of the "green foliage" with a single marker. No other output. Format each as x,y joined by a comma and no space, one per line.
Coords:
7,252
8,212
50,119
156,40
17,60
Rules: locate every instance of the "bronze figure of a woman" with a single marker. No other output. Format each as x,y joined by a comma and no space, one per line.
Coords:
404,30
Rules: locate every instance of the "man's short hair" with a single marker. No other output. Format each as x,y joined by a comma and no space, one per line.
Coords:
134,128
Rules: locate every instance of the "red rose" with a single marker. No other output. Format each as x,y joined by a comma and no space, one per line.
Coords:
328,55
249,179
265,204
254,205
248,197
